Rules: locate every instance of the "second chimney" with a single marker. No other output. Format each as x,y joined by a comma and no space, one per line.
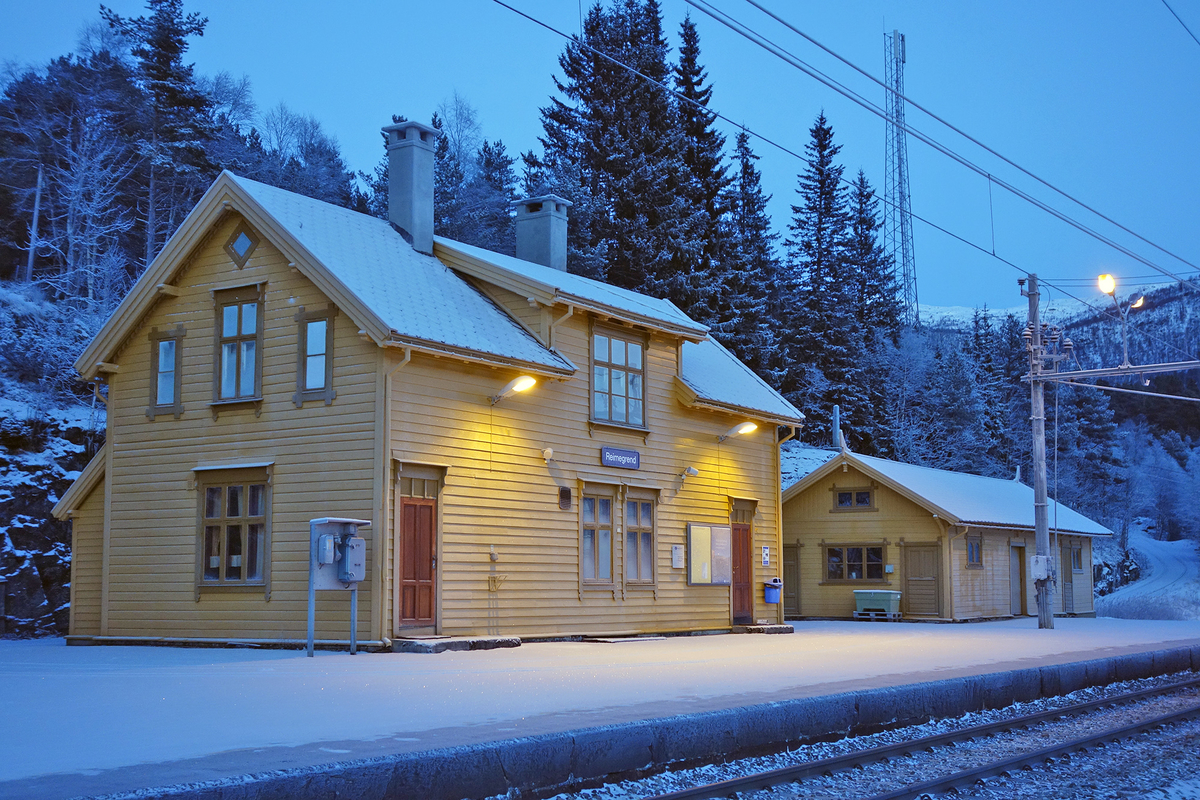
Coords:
410,149
541,228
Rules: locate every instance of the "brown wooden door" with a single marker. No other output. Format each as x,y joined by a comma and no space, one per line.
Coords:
418,562
743,598
922,587
791,581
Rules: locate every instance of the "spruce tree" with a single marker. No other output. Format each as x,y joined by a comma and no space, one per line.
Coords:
702,155
740,311
178,123
613,148
820,328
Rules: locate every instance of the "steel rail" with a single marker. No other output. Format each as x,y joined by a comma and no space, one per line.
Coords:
972,776
775,777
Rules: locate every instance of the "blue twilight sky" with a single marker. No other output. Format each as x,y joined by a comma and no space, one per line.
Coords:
1102,99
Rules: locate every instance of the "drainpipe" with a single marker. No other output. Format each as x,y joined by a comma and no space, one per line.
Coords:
383,532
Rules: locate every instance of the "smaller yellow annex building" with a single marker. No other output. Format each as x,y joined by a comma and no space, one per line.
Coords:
956,546
537,453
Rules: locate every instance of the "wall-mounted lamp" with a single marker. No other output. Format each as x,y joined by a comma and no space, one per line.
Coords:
493,555
548,454
736,430
690,472
519,384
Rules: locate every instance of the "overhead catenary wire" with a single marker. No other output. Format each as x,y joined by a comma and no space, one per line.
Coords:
789,58
1181,22
578,40
969,137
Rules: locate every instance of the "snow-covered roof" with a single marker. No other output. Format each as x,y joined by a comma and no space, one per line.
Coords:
720,380
574,289
797,460
415,295
961,498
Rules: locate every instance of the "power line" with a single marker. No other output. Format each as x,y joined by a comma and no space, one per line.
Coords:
858,99
785,149
968,136
1131,391
1176,16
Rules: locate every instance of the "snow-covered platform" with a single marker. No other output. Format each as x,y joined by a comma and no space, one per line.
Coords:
100,720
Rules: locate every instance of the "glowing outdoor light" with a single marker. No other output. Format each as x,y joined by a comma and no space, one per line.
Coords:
1108,284
519,384
736,430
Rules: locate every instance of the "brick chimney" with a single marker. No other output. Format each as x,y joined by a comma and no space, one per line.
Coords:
542,230
410,149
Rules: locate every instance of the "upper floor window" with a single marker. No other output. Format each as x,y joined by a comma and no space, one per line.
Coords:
618,379
860,499
238,344
314,360
241,245
166,372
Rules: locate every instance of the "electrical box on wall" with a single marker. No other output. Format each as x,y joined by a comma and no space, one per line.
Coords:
352,566
1039,567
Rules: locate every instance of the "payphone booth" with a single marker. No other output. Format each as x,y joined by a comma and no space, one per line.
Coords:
337,561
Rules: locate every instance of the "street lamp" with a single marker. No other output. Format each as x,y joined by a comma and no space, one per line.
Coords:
740,428
1108,285
520,384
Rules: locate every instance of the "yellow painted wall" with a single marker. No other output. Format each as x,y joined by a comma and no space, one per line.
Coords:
87,553
500,492
324,460
809,520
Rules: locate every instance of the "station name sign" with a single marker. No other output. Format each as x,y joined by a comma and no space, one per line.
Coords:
624,459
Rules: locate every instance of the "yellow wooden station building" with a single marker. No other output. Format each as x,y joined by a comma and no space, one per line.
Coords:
955,546
538,454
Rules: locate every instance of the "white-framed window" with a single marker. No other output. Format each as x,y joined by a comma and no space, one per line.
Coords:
639,540
596,537
618,378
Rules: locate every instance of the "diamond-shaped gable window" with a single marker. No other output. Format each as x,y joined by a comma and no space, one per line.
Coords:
241,245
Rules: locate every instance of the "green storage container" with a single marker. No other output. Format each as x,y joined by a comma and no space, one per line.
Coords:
877,600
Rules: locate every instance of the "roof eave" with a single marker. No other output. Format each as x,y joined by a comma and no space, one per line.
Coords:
440,350
82,487
546,294
224,195
691,398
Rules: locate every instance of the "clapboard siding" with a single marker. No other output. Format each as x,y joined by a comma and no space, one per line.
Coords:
324,459
808,520
87,554
965,592
499,491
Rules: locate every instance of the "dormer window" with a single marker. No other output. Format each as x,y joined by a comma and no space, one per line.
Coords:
618,379
241,245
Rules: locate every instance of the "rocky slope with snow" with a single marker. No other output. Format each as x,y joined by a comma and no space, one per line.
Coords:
41,453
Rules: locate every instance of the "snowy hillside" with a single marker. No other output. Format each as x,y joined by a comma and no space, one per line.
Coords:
41,453
1170,588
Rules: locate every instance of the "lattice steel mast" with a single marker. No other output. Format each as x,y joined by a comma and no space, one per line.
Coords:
897,227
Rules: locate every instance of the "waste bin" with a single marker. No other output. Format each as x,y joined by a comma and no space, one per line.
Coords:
772,590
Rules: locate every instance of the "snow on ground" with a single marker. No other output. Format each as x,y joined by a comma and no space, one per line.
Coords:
80,709
1170,588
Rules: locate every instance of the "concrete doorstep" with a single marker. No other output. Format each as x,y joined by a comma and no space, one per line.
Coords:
546,764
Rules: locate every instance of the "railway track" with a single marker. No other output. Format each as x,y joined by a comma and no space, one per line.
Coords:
1064,745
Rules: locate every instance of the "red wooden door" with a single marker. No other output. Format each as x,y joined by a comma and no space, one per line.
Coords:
743,598
418,562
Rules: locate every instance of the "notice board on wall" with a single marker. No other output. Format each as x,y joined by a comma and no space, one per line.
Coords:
710,555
